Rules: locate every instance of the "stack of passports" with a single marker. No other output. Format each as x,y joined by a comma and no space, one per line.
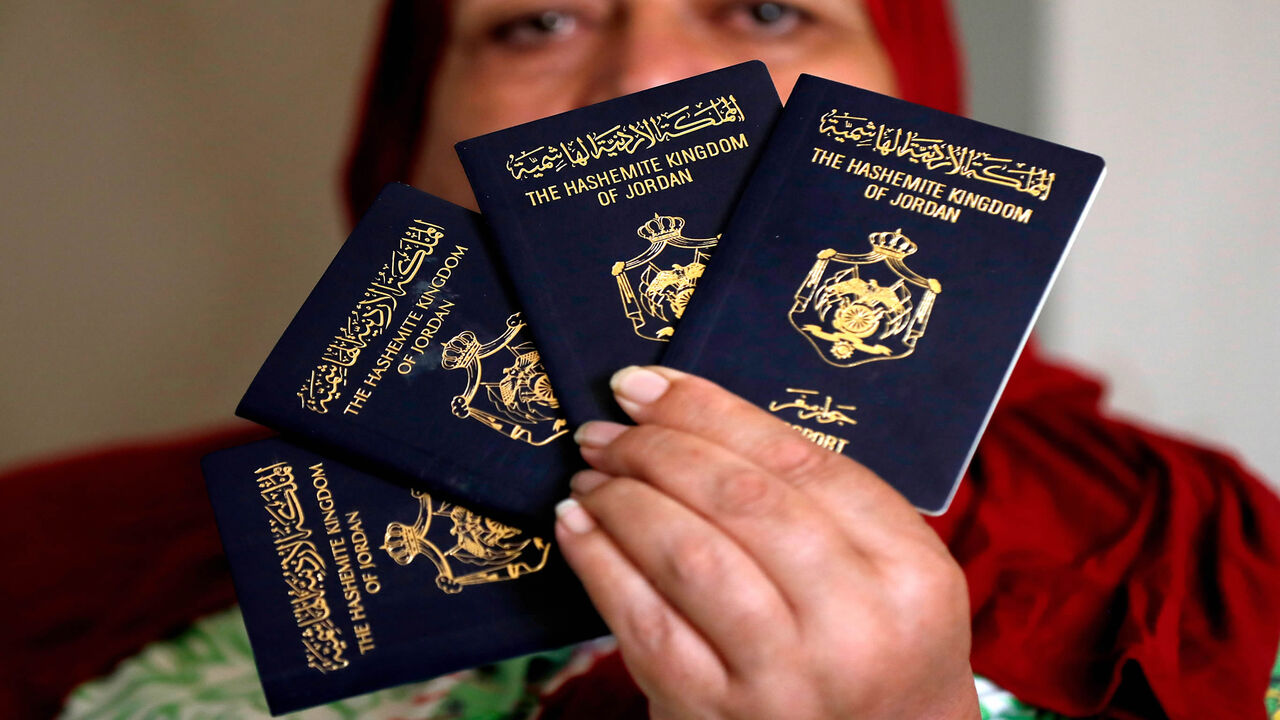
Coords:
865,269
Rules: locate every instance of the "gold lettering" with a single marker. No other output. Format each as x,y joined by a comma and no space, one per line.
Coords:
936,154
990,205
364,637
371,316
628,139
830,159
662,182
823,440
916,204
545,195
302,567
358,399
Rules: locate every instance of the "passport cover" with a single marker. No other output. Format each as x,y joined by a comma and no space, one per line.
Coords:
410,359
349,583
881,275
606,217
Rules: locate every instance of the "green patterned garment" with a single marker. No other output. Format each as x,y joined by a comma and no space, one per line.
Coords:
208,673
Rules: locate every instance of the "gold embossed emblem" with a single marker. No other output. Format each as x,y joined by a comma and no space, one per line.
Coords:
477,551
858,307
517,401
655,292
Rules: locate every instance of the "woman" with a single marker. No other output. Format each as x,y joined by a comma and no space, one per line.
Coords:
1062,525
1109,570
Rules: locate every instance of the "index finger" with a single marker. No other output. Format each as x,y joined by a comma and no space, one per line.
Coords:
680,401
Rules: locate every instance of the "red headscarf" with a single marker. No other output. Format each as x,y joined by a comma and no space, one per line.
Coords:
916,34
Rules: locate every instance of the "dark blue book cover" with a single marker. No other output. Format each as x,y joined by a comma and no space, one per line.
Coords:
349,583
881,275
607,217
410,359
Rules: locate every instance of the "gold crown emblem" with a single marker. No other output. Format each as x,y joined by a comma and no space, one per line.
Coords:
460,351
661,227
892,244
399,544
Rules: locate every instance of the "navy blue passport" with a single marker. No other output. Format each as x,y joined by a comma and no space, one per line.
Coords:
349,583
881,275
410,359
607,217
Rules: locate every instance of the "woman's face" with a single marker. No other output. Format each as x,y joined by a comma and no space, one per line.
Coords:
511,61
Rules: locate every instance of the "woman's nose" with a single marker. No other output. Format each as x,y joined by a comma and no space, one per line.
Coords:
650,43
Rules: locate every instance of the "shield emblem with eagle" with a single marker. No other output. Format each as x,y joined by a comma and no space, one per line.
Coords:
655,286
515,400
855,308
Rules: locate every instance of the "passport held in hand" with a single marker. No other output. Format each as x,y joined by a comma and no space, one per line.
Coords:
881,275
607,217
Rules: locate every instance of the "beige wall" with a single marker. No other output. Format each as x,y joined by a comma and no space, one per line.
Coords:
168,195
1172,288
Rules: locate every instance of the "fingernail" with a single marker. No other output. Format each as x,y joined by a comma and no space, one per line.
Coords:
574,519
639,385
598,433
584,481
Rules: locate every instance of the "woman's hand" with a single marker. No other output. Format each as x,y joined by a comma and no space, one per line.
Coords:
748,573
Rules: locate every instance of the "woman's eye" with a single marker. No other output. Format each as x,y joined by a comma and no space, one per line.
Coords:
536,28
771,18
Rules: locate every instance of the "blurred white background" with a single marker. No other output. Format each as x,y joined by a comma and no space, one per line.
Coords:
169,193
1170,290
